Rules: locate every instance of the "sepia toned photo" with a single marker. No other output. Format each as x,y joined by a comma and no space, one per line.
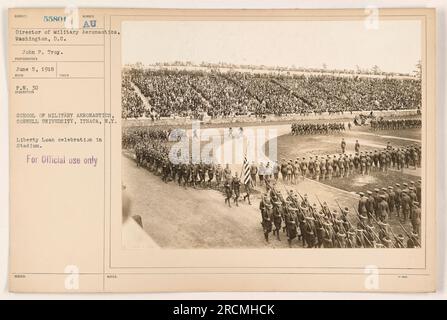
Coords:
159,150
272,134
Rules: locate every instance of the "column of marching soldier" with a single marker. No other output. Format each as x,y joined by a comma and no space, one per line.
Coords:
395,124
345,165
154,155
367,227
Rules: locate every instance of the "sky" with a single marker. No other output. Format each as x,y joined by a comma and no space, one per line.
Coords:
394,46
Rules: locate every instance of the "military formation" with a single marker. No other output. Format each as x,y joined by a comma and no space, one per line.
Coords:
401,202
343,165
391,124
319,226
133,136
293,216
317,128
151,150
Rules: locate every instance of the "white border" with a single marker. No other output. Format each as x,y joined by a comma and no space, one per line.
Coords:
440,5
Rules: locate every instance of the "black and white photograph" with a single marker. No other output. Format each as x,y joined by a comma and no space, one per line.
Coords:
272,134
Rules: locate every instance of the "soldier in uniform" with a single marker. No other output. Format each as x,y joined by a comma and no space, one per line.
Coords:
261,173
228,192
277,217
362,206
405,204
376,202
323,167
310,232
275,170
416,218
329,167
419,191
227,172
317,168
357,146
236,186
194,174
343,145
328,234
283,170
391,199
311,167
211,169
289,169
219,174
370,205
297,172
397,199
304,168
383,209
291,228
362,163
202,173
253,173
247,187
266,219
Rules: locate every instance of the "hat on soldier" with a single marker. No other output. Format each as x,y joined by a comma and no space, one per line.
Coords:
397,185
390,188
368,192
400,237
405,184
361,193
383,189
376,190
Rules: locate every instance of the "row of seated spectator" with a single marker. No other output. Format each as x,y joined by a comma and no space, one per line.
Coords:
186,93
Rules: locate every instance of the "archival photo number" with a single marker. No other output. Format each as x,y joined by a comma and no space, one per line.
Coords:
291,134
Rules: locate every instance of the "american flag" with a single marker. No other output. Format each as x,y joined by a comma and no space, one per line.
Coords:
246,171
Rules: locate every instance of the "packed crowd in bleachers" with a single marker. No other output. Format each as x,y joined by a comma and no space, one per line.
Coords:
186,93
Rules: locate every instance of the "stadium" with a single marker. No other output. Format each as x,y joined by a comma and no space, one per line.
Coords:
340,164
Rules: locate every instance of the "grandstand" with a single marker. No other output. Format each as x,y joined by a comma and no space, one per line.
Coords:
181,92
